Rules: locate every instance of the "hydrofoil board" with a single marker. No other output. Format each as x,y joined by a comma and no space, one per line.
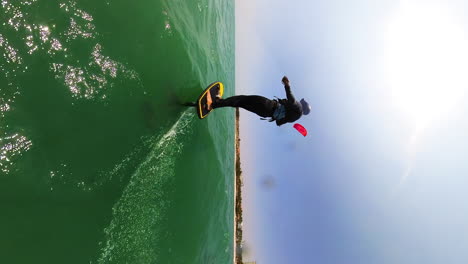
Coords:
207,97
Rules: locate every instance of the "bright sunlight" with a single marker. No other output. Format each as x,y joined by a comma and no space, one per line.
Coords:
426,62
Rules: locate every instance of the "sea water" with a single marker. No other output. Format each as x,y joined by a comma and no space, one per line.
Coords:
98,161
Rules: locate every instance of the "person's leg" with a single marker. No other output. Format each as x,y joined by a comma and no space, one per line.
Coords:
260,105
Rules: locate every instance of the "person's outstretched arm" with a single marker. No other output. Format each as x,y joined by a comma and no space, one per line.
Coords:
287,87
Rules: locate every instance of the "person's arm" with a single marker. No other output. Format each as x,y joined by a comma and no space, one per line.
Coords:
287,88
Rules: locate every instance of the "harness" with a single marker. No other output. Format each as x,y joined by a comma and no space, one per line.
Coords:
279,113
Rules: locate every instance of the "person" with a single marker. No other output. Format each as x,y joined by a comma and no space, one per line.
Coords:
281,111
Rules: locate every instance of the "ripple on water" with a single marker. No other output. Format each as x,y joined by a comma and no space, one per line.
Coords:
85,80
11,147
24,40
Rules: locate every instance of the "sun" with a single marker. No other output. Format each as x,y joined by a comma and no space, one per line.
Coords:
426,57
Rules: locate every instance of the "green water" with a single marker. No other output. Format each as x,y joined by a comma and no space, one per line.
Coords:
98,162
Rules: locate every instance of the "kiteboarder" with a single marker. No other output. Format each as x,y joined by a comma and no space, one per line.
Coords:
279,110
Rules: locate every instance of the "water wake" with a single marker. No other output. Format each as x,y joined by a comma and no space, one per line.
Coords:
137,225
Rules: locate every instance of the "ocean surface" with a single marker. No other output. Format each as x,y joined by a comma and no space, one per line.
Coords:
98,161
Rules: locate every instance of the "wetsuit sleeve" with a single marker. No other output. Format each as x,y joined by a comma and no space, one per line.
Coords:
289,94
293,109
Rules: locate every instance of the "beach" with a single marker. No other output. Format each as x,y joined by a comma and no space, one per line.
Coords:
237,197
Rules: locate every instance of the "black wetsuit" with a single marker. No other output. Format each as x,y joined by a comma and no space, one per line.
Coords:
290,108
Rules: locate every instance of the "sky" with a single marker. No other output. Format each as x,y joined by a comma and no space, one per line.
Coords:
382,175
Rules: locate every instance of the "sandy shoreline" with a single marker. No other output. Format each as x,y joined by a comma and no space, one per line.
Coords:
237,196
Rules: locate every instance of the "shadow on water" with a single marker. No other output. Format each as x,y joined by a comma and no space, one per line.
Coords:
168,105
149,113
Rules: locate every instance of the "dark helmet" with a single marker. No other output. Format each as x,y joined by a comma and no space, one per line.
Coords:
305,107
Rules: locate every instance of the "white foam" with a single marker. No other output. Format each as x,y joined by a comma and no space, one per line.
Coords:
136,226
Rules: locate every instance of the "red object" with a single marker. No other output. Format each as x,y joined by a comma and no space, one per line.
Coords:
301,129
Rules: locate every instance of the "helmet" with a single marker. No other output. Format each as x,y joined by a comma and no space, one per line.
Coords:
305,107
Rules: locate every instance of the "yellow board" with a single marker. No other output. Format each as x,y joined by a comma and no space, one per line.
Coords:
213,90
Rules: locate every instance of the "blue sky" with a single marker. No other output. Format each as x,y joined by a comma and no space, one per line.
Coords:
383,173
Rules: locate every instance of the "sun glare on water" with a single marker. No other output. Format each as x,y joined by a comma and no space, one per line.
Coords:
426,58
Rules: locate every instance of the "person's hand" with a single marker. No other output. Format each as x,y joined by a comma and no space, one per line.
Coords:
285,81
